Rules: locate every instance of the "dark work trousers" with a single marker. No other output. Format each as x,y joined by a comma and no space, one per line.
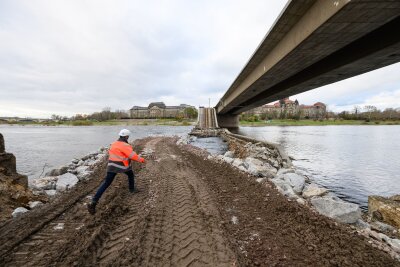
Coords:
109,179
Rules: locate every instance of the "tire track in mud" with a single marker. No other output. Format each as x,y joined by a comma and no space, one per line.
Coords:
34,230
63,229
176,231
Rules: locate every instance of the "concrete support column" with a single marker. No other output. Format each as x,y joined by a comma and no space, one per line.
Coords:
228,121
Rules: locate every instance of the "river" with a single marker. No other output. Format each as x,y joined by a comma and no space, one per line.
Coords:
352,161
41,148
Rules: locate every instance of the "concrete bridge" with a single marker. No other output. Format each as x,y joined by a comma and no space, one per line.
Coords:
314,43
207,118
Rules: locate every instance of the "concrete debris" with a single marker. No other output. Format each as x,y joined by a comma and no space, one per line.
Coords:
19,211
45,183
59,226
57,171
50,193
229,154
34,204
66,181
235,220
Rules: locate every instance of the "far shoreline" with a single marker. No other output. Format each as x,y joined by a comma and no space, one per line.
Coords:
288,122
192,122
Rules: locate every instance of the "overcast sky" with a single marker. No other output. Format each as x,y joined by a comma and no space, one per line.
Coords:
68,57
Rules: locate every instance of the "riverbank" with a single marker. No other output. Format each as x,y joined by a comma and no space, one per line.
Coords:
315,122
191,210
125,122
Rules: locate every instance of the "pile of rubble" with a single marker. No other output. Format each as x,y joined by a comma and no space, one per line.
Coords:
65,177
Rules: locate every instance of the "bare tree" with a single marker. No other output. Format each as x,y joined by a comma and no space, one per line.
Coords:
370,109
356,110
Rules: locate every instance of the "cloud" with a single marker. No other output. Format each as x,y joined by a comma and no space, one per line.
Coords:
378,88
67,57
381,101
70,57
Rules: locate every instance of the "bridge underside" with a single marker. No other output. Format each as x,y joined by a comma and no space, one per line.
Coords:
360,37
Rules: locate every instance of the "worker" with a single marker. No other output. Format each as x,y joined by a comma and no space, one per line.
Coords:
120,155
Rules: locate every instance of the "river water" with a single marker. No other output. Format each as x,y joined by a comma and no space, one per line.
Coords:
352,161
39,148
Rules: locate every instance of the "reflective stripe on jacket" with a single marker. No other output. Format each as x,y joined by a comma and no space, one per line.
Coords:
120,156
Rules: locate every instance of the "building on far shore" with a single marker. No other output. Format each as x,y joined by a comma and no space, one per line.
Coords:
158,110
286,108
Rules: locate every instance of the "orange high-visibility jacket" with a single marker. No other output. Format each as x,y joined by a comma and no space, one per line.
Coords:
120,156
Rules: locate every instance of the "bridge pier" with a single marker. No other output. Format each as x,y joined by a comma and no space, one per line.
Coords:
228,120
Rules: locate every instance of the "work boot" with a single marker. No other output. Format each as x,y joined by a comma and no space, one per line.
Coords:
92,207
134,190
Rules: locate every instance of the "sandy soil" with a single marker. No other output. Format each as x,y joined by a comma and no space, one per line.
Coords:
189,212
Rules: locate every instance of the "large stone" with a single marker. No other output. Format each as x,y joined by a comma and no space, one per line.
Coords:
229,154
82,169
284,188
66,181
361,224
228,160
340,211
385,209
237,163
395,244
19,211
45,183
283,171
313,190
395,198
382,227
50,192
296,181
252,161
2,146
258,168
34,204
84,175
59,171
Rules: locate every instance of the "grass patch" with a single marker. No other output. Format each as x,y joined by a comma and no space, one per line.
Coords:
82,123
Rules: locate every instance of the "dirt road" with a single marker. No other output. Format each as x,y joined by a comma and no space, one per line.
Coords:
189,212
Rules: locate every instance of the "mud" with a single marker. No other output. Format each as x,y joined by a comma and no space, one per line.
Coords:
190,212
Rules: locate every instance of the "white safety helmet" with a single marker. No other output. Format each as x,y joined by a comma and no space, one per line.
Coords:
124,132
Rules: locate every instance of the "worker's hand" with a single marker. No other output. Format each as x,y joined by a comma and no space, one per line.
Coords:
141,160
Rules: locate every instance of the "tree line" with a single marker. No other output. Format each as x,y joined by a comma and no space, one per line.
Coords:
366,113
370,112
107,114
